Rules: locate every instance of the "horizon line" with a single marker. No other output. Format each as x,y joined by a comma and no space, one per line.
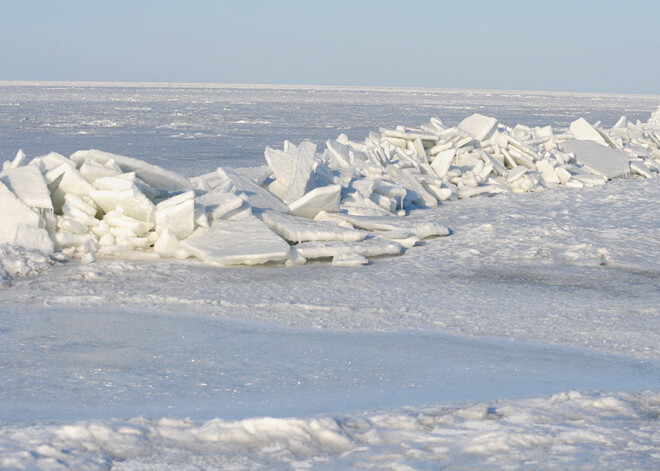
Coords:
146,84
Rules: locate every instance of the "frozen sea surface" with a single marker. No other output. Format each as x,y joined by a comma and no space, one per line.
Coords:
67,365
526,339
194,129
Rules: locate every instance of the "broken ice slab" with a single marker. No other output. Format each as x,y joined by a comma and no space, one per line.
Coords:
29,185
598,159
563,175
407,134
590,180
497,166
520,158
257,174
135,226
349,260
303,166
68,180
48,162
420,228
479,126
246,241
295,259
155,176
85,206
547,169
370,247
355,204
325,198
398,142
405,238
64,239
18,161
471,191
640,169
218,202
93,171
442,162
340,152
391,190
32,237
516,173
169,246
259,198
131,202
280,164
69,224
211,181
14,213
298,229
177,215
583,131
441,193
416,194
244,211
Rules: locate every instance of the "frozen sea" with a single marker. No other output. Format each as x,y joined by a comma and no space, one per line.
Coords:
527,339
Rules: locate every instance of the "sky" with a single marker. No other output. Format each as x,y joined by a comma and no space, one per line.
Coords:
578,45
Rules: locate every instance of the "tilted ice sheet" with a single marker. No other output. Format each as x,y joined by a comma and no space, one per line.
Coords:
297,229
599,160
245,241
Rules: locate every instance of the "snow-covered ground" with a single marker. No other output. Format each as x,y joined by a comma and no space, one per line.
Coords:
528,338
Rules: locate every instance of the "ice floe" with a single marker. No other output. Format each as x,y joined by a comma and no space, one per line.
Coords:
346,202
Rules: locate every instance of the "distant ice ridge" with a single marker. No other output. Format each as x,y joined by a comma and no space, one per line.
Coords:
344,203
572,430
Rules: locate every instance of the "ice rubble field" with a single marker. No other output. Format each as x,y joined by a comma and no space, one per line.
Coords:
128,363
341,203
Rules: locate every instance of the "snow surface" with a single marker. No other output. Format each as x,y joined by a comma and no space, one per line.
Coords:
570,430
528,338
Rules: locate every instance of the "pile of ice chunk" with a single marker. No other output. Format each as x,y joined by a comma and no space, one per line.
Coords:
343,203
396,170
95,204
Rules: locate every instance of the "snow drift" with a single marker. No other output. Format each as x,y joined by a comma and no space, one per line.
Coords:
571,430
346,202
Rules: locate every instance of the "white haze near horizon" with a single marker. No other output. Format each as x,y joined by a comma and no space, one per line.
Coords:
565,45
507,344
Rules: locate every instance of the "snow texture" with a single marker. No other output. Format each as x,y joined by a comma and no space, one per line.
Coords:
569,430
528,338
17,261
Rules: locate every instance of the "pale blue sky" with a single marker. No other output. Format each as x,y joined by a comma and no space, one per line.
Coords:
600,46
